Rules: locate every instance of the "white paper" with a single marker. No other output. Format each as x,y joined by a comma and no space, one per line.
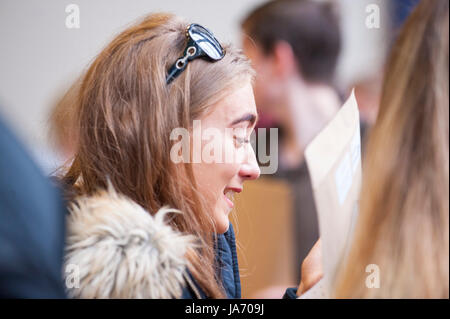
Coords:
334,163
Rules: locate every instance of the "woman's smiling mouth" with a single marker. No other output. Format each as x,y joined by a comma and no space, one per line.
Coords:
229,195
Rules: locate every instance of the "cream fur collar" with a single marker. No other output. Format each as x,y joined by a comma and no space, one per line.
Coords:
121,251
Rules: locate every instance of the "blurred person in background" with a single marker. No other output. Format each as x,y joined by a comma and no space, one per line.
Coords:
32,217
403,224
294,47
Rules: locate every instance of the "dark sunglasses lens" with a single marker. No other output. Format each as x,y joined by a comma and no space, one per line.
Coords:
206,42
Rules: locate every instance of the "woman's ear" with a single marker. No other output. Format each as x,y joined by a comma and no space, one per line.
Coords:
285,64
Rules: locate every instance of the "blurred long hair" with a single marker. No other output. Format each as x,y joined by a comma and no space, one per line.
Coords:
403,226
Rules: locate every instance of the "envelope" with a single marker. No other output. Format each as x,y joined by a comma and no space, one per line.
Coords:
334,163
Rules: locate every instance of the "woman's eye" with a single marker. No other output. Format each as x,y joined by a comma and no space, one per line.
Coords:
240,141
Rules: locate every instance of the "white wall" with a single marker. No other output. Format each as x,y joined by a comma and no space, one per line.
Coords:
363,49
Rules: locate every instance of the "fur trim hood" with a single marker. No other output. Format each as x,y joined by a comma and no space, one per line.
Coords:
121,251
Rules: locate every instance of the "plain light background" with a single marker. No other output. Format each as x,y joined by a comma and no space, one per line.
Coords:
40,57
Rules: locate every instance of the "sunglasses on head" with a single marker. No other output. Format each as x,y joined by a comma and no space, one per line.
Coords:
201,44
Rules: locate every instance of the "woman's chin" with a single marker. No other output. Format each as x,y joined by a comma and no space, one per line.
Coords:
223,209
222,222
222,227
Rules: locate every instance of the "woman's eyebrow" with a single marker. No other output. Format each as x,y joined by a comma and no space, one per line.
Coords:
251,118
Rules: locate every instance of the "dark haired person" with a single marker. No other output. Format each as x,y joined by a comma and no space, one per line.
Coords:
31,226
294,47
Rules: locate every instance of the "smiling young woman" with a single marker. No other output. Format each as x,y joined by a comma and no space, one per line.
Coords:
126,109
218,181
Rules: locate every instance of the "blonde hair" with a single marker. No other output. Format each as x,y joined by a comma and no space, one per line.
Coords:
126,113
403,225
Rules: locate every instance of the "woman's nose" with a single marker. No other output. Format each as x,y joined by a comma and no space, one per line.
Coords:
250,168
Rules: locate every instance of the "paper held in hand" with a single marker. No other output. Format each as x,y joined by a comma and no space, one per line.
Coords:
334,163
